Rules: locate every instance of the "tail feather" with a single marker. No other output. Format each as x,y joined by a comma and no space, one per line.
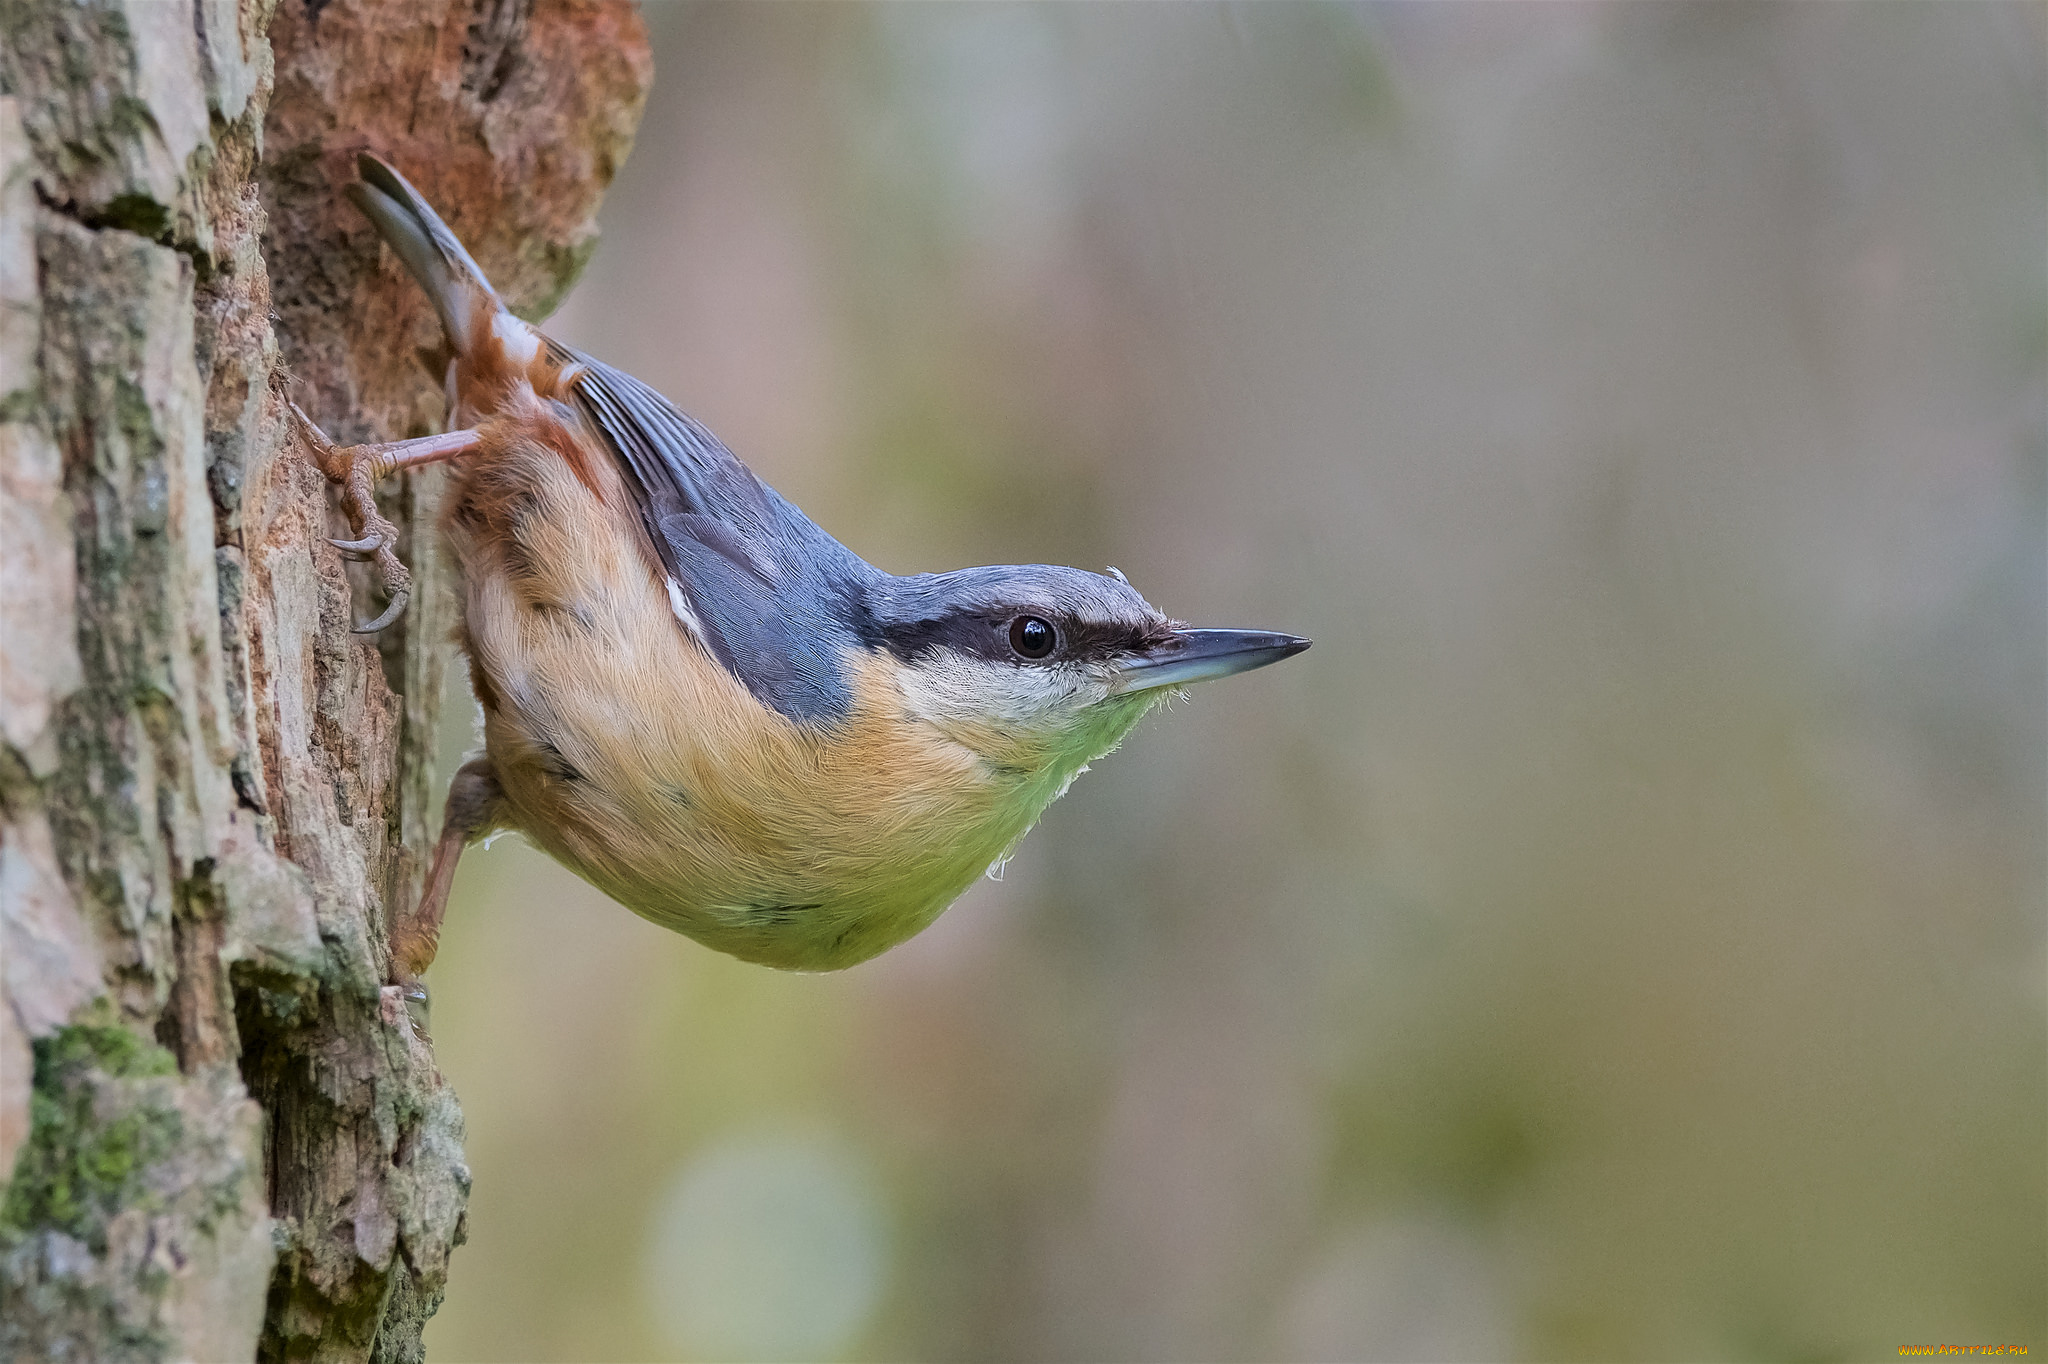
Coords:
451,278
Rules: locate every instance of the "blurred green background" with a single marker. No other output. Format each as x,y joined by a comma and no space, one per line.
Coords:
1622,937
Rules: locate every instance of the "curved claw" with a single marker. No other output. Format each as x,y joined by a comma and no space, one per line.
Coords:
419,1005
310,429
392,612
357,468
405,1001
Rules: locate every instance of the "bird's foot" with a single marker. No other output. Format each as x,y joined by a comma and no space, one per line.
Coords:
414,941
475,802
406,1002
357,468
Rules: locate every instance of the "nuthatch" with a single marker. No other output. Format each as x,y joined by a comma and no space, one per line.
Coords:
699,701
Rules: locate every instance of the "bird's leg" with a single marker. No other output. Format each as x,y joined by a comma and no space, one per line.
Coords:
357,468
475,806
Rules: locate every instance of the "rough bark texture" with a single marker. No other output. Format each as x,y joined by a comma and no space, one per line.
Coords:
224,1141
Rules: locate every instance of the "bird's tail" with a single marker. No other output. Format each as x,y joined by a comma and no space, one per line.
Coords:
460,293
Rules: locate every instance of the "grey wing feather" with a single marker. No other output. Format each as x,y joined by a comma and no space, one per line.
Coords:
680,467
768,586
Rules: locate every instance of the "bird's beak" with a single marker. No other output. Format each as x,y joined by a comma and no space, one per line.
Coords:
1198,655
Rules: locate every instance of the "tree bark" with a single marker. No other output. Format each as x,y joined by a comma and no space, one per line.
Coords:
224,1140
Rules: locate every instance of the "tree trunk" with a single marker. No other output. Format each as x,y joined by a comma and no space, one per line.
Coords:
225,1141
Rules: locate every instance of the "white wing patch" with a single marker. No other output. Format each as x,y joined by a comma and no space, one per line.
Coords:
520,341
680,604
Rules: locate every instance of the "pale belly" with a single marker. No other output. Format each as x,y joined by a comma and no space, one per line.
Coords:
784,858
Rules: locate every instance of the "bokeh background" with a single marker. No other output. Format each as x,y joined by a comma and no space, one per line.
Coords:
1621,938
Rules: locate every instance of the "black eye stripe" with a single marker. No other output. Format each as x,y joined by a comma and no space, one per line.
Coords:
986,634
1104,640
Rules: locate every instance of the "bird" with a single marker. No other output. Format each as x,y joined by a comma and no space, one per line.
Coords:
697,699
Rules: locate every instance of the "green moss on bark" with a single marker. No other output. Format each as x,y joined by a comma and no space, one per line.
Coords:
90,1143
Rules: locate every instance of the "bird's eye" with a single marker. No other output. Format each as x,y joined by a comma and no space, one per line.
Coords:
1032,637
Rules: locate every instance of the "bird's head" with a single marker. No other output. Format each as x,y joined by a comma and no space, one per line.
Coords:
1040,669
